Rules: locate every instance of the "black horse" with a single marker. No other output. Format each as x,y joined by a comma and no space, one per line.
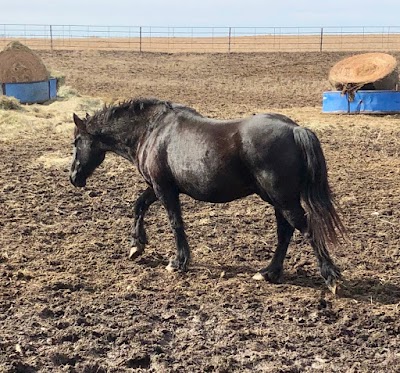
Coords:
177,150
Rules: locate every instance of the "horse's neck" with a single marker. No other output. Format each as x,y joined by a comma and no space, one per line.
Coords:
125,139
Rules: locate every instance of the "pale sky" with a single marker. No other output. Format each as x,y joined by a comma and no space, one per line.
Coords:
234,13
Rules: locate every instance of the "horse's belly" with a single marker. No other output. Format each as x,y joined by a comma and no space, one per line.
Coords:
218,189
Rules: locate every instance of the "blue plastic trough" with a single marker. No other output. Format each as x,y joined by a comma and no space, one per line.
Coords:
32,92
367,102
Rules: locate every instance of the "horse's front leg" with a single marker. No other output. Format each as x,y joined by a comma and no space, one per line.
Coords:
139,238
170,200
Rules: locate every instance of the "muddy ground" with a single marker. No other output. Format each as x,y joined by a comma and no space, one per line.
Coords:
71,301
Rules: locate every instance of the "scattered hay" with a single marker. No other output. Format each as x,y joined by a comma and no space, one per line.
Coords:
19,64
9,103
67,92
372,71
91,104
54,160
60,77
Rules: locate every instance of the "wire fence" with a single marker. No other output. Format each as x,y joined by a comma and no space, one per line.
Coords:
202,39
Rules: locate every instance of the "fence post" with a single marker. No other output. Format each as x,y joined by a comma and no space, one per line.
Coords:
140,39
321,39
51,38
229,40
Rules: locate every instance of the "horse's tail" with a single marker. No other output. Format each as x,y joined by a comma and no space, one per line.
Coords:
324,223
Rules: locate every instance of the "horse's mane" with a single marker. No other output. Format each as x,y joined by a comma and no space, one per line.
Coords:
138,106
134,108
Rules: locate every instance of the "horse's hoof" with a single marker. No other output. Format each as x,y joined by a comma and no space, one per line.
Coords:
171,268
135,252
333,288
332,277
258,276
176,266
273,276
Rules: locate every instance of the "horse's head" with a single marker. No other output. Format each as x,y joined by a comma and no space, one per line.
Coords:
88,153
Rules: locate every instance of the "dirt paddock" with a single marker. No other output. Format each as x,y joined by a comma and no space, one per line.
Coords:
71,301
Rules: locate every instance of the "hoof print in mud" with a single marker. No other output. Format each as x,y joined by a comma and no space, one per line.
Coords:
139,362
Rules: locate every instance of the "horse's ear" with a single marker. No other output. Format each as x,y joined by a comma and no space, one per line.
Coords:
79,123
87,115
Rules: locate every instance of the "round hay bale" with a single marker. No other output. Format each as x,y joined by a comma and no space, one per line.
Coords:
372,71
18,64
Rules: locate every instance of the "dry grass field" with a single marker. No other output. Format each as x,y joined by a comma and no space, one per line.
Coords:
221,43
71,301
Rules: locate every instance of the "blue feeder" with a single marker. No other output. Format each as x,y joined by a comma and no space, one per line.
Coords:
364,102
31,92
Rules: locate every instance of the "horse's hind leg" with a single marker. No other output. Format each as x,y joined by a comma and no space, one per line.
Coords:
139,238
329,271
273,272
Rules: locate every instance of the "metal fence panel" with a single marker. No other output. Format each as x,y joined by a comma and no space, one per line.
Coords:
203,39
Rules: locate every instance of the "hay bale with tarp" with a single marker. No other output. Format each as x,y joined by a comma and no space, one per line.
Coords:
368,71
19,64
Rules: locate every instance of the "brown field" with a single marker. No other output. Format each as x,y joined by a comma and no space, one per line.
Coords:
221,44
70,301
